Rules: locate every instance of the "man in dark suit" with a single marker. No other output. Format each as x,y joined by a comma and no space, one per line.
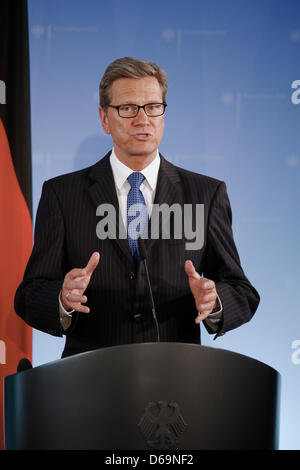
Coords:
92,287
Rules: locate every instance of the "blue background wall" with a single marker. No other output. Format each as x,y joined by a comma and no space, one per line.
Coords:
230,115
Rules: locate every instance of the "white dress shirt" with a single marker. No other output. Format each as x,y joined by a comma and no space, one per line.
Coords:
148,188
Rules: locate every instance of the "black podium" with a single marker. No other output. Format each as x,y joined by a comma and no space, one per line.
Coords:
144,396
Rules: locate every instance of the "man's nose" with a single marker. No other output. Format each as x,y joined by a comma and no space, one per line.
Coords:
141,116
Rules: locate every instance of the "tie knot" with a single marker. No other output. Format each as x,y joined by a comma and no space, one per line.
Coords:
136,179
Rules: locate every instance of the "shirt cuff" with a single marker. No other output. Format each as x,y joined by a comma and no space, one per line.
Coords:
219,308
64,315
214,318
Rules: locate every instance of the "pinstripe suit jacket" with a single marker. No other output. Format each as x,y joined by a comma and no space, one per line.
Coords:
120,310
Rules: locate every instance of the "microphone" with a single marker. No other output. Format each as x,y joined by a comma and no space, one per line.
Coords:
143,256
24,364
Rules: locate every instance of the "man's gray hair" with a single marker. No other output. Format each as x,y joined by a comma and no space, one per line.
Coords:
128,67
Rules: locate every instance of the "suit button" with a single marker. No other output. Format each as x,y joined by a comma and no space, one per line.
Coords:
131,275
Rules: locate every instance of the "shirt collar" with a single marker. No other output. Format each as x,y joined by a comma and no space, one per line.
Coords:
121,171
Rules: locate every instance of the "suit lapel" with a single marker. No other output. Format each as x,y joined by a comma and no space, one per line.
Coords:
102,191
167,192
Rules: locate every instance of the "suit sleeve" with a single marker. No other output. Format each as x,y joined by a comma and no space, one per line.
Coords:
36,299
222,264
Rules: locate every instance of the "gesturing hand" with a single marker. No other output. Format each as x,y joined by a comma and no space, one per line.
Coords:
75,283
203,290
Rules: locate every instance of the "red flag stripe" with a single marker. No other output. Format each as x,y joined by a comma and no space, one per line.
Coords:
15,248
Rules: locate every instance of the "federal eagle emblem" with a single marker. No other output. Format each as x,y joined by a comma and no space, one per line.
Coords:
162,425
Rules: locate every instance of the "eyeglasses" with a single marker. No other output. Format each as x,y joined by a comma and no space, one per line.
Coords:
132,110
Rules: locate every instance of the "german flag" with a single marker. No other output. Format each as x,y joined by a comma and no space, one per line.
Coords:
15,185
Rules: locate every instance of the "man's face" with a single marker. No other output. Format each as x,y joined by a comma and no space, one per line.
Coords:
139,137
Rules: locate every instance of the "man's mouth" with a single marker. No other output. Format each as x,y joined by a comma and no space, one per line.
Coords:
142,136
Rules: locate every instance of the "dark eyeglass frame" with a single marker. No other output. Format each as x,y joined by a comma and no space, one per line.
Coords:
138,109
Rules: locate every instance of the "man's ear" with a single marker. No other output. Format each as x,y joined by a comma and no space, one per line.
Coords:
104,120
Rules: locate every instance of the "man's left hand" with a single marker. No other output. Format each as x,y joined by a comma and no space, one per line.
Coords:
203,290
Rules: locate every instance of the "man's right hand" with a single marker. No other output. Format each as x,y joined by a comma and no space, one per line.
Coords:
75,283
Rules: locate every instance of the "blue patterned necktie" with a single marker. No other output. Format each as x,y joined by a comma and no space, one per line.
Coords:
137,216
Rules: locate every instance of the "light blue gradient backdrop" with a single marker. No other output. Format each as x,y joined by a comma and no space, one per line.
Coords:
230,66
